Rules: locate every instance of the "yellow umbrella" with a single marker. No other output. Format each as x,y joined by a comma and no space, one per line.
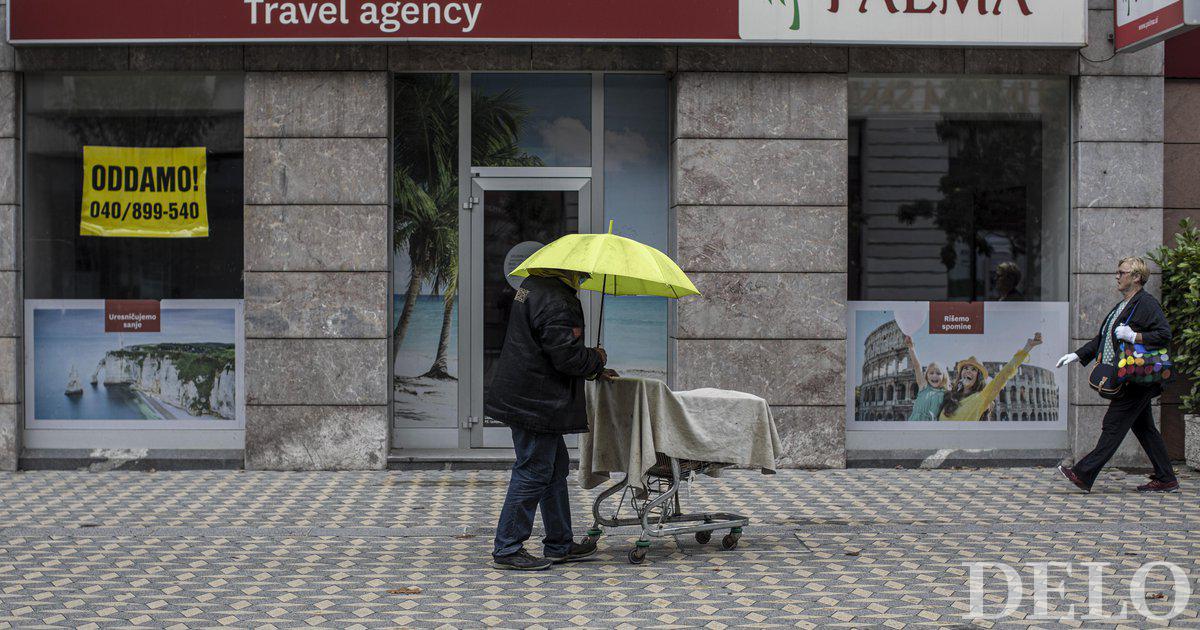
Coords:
617,266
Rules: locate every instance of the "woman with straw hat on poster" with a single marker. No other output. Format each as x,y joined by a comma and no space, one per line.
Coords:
973,393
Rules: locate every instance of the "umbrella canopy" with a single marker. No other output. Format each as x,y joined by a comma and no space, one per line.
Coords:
617,265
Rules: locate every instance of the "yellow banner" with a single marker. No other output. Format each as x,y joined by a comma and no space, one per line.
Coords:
145,192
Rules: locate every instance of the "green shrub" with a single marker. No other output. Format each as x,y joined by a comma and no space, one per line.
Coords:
1181,300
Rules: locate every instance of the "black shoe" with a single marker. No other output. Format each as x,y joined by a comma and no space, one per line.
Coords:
578,552
1073,478
520,561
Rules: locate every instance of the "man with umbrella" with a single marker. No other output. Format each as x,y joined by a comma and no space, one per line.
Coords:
538,392
538,389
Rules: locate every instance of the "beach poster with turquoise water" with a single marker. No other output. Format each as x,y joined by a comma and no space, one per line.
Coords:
425,391
426,366
187,375
635,335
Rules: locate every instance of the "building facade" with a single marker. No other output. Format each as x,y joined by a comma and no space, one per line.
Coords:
768,171
1181,198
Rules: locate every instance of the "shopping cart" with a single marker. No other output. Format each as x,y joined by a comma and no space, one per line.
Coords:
658,509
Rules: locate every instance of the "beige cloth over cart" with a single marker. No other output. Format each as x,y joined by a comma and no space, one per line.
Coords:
633,419
654,436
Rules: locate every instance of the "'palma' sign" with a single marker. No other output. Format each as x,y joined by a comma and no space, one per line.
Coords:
1026,23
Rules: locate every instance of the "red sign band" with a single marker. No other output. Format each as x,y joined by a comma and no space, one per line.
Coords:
116,21
132,316
956,318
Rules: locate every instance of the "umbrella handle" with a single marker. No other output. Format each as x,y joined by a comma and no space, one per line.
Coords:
600,323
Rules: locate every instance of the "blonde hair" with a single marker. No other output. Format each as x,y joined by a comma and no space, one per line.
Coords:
945,377
1138,267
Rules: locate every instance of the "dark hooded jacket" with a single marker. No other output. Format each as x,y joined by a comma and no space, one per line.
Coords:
1145,316
538,383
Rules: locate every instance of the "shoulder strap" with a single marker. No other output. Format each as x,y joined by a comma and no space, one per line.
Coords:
1131,311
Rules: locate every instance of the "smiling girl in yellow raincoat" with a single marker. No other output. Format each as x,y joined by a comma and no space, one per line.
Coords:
973,393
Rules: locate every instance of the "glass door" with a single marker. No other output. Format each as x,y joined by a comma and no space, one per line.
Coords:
512,218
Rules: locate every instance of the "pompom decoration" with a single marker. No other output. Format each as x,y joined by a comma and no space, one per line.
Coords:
1138,364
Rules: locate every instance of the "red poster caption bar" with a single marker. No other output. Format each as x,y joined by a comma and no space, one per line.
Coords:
159,21
1149,29
132,316
956,318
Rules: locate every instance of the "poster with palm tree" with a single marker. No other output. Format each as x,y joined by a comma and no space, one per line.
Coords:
426,235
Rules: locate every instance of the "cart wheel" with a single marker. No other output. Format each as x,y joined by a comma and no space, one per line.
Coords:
637,555
703,537
730,541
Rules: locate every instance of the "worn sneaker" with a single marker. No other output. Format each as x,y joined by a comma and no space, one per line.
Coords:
520,561
578,552
1159,486
1073,478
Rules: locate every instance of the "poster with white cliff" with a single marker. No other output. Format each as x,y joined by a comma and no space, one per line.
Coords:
187,374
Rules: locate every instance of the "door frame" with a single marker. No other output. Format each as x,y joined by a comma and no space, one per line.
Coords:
469,372
484,180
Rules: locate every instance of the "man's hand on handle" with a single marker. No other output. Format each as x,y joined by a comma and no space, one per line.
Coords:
1067,359
608,375
603,355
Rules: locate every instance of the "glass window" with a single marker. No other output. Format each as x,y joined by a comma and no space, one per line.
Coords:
64,113
426,241
636,178
959,189
548,115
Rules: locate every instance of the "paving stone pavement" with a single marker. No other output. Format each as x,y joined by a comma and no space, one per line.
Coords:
848,548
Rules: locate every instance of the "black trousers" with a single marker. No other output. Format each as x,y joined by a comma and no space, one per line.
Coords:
1131,411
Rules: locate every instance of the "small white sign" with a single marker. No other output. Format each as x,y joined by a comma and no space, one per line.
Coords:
517,255
1133,10
1142,23
1047,23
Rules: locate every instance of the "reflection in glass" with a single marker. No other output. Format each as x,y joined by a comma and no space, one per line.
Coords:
64,113
516,223
425,241
635,199
958,189
531,120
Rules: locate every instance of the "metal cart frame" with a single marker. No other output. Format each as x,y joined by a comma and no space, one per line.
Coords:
658,510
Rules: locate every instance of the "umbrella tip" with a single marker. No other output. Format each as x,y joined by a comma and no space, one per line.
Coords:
610,226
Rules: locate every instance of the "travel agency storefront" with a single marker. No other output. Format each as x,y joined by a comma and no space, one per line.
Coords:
276,234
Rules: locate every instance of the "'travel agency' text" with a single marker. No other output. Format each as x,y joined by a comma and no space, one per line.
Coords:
388,17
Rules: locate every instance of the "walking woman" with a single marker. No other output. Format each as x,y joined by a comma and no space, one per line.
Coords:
1146,325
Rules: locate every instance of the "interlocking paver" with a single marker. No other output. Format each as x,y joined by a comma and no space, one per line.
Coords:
851,548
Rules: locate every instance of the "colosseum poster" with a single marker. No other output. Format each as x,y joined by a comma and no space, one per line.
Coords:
176,365
935,365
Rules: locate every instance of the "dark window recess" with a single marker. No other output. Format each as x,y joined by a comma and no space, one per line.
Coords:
63,113
946,209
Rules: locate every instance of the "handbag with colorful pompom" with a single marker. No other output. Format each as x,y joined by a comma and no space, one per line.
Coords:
1140,365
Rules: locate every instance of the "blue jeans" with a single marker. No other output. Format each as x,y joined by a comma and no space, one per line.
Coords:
539,478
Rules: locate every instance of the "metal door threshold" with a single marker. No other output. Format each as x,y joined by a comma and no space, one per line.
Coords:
457,458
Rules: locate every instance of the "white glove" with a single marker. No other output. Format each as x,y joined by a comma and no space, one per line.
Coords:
1125,333
1067,359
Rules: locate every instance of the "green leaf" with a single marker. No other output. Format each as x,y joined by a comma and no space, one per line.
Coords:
1181,300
